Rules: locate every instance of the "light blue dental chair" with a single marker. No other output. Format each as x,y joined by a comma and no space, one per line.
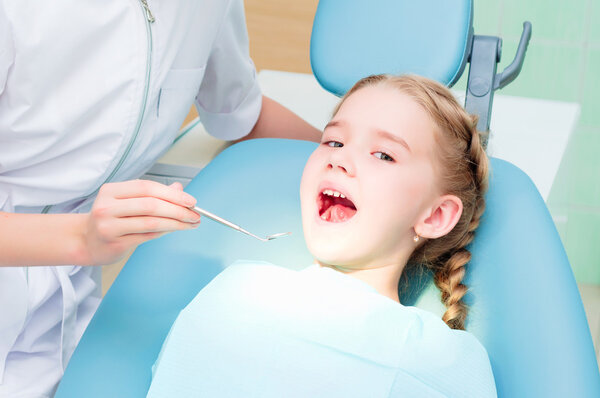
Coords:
525,306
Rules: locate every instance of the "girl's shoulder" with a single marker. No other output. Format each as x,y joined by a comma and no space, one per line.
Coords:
436,332
451,360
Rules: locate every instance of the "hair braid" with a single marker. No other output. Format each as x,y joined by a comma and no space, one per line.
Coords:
449,275
448,278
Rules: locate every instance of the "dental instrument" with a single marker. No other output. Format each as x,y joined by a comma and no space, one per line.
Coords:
234,226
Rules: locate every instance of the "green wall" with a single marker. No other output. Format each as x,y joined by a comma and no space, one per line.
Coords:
562,63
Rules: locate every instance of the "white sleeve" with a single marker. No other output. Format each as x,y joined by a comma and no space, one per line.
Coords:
229,99
7,50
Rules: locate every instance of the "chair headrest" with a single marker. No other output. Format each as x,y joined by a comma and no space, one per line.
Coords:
354,39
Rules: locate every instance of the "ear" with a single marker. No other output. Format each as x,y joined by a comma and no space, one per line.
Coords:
440,218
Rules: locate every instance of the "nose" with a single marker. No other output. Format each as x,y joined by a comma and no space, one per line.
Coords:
341,160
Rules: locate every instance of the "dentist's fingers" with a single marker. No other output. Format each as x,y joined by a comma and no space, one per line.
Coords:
146,188
176,185
137,239
109,240
128,213
153,207
141,225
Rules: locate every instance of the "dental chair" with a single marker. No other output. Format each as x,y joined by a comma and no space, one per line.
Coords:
525,306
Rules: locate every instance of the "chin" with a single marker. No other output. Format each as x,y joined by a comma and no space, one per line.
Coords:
331,242
334,251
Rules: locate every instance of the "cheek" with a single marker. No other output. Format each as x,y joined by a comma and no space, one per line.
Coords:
308,185
307,181
399,195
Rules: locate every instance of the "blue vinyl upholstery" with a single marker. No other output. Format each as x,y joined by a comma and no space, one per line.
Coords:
525,306
351,40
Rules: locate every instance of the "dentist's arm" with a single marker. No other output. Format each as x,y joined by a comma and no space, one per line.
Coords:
124,215
276,121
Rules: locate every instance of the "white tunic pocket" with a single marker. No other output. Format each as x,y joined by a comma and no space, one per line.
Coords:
177,93
175,98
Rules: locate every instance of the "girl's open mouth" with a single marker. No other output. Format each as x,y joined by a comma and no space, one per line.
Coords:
334,206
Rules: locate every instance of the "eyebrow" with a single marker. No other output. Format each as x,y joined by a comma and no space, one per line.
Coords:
382,133
333,123
393,137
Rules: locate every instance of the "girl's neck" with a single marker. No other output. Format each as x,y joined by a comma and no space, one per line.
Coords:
384,279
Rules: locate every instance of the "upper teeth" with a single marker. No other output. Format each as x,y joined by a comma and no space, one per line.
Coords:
331,192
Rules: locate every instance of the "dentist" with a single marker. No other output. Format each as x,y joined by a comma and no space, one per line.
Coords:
92,93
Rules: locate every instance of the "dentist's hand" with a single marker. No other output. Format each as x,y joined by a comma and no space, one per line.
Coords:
128,213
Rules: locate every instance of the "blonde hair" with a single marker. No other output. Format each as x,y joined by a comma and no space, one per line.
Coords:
463,173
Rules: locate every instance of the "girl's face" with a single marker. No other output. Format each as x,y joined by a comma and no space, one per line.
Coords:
377,156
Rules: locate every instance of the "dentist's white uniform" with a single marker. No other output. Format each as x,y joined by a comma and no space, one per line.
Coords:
90,92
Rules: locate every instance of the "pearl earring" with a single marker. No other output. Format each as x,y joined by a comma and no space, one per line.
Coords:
416,238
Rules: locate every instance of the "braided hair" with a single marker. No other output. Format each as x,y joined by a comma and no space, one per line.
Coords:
462,170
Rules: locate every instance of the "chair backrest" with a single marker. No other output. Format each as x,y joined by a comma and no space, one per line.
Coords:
525,306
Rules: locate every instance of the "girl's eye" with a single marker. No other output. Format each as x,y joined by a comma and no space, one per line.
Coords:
384,156
334,144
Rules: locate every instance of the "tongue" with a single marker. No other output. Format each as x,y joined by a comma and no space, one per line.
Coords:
338,213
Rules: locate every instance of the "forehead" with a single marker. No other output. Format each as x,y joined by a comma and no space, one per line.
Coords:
382,107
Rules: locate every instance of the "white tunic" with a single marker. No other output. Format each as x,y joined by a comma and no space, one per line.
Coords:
92,92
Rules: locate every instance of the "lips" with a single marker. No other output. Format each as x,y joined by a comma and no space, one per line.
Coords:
334,205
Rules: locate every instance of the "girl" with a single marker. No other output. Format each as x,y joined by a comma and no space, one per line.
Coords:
398,179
